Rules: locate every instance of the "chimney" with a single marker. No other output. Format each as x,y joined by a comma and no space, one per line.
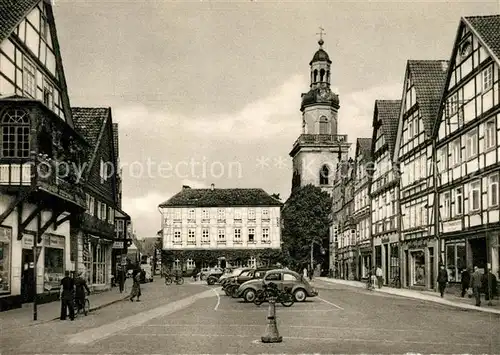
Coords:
185,187
212,187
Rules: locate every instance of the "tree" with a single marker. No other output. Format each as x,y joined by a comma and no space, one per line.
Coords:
306,220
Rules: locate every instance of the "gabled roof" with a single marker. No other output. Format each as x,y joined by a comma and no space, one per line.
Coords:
91,123
12,13
387,111
429,79
487,29
220,197
364,147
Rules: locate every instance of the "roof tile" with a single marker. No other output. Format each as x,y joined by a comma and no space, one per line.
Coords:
88,122
429,79
488,28
388,113
364,145
11,14
220,197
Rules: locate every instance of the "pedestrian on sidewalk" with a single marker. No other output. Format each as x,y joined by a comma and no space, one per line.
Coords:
380,276
465,281
136,288
67,295
475,284
442,279
489,285
80,288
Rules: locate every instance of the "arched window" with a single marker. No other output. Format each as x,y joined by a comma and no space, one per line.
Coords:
15,134
323,125
322,75
324,174
315,75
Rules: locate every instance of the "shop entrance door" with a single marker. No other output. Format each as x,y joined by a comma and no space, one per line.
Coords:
478,248
27,276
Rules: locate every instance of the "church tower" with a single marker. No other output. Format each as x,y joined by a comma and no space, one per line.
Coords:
319,148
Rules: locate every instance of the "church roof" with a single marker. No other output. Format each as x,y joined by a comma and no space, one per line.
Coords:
220,198
321,56
12,13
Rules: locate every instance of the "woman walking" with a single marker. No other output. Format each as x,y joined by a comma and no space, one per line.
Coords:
136,287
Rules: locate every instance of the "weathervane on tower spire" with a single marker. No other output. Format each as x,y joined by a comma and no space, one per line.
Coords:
321,33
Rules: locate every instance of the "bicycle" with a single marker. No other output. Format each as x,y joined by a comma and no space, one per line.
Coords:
179,280
284,297
79,307
395,282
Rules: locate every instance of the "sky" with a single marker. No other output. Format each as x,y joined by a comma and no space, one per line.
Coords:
208,91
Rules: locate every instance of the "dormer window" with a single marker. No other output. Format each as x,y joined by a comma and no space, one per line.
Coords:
104,172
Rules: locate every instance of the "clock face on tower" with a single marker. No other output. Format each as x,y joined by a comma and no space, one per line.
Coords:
324,93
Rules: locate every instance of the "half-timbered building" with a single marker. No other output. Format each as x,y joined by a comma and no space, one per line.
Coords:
40,156
103,225
344,221
422,92
468,150
361,212
383,189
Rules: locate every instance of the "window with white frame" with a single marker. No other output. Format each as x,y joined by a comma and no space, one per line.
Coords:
456,154
205,235
104,210
205,214
190,264
265,213
91,210
48,94
459,201
221,235
471,144
221,214
493,193
177,214
237,235
443,159
251,213
487,75
237,213
265,235
29,78
490,134
191,236
251,235
446,205
177,236
475,196
191,214
453,104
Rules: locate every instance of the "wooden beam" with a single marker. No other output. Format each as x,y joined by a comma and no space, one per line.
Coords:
20,208
20,198
61,221
44,227
23,225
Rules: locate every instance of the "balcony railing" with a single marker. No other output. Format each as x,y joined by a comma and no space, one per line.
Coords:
334,139
51,176
93,224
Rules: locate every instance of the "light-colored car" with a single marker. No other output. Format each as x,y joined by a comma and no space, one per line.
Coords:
202,275
300,287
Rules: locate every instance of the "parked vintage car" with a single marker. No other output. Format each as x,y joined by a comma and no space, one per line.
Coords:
214,275
202,275
300,287
252,274
224,281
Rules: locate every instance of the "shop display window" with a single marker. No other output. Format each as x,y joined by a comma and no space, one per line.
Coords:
54,268
5,239
418,258
455,260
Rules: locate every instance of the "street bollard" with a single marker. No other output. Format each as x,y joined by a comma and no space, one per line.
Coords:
272,334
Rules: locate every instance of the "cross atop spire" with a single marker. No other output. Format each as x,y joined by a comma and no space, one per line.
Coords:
321,33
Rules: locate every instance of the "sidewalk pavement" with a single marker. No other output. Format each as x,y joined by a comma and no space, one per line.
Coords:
449,299
23,317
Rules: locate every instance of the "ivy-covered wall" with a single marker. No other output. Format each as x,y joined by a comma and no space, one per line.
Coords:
233,256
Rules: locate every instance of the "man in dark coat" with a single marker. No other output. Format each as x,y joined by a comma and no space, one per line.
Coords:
465,280
67,294
489,282
81,289
442,279
475,284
